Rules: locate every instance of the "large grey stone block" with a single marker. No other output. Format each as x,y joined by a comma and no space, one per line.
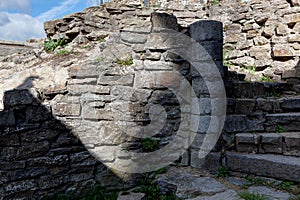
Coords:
271,143
7,118
269,165
244,106
133,38
164,20
207,30
246,142
291,145
291,104
269,193
288,121
19,97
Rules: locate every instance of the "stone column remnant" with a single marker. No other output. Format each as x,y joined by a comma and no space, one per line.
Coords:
209,34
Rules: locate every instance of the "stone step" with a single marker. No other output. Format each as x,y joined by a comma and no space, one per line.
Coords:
197,184
263,105
244,89
287,143
267,165
286,121
292,76
278,122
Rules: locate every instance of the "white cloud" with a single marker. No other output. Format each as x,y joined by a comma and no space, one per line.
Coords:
23,26
92,2
20,27
57,10
4,19
20,5
95,2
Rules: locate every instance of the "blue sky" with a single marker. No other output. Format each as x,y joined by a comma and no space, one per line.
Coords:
23,19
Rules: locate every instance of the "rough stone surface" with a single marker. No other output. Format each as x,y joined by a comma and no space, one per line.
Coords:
252,28
247,143
190,185
260,164
269,193
11,47
276,143
106,77
228,194
130,196
98,98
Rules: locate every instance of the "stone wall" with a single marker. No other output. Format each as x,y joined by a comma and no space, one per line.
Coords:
106,102
11,47
261,38
40,156
125,94
106,84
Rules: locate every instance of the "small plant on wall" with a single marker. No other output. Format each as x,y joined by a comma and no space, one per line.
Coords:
214,2
125,62
52,44
279,129
149,144
223,171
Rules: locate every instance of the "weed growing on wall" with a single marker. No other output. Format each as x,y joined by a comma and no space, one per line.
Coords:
125,62
51,44
223,171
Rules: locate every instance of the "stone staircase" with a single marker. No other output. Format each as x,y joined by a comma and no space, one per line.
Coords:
262,129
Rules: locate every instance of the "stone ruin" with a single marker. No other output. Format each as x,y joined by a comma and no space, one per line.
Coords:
50,125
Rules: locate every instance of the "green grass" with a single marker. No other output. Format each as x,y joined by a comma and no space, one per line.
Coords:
158,5
125,62
149,144
147,185
279,129
215,2
274,94
63,52
51,44
101,40
226,60
285,185
266,79
223,171
251,68
260,181
99,59
84,47
252,196
153,192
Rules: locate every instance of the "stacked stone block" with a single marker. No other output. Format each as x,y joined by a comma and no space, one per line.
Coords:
39,155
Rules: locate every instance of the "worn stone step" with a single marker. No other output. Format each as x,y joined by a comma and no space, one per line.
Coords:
292,76
287,143
292,104
268,165
286,121
278,122
244,89
263,105
239,123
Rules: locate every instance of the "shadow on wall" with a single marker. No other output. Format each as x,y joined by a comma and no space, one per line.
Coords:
298,69
39,155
